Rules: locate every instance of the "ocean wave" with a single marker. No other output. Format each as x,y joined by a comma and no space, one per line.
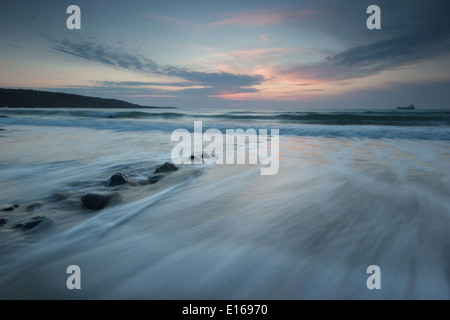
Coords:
89,113
285,129
377,124
367,117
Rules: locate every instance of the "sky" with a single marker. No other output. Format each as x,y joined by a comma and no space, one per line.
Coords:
303,54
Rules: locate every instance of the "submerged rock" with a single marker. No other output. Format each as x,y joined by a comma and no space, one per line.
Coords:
3,221
166,167
39,220
59,196
155,178
111,117
97,201
119,179
10,208
33,206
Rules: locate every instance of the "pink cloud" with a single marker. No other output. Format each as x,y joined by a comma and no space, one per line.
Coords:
264,38
246,18
269,96
232,96
260,18
254,61
2,64
263,61
268,62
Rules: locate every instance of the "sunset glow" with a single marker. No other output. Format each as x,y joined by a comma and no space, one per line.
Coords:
296,54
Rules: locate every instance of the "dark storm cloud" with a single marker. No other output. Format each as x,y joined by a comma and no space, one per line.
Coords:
398,52
220,79
113,57
117,58
394,51
411,33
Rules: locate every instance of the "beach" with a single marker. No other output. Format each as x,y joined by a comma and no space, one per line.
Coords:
354,188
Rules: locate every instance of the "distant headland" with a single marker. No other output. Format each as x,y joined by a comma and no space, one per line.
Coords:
25,98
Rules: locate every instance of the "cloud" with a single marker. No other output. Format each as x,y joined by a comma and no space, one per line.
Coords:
260,60
366,60
412,34
120,59
254,18
221,79
148,96
395,51
259,18
264,38
113,57
141,84
150,89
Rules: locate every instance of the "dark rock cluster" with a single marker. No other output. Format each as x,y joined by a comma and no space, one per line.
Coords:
100,200
34,222
119,179
10,208
166,167
91,200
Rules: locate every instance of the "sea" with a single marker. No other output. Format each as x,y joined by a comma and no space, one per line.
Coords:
354,189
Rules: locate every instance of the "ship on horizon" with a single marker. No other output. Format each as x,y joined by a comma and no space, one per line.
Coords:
410,107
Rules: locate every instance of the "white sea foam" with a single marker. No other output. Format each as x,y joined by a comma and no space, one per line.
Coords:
336,206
